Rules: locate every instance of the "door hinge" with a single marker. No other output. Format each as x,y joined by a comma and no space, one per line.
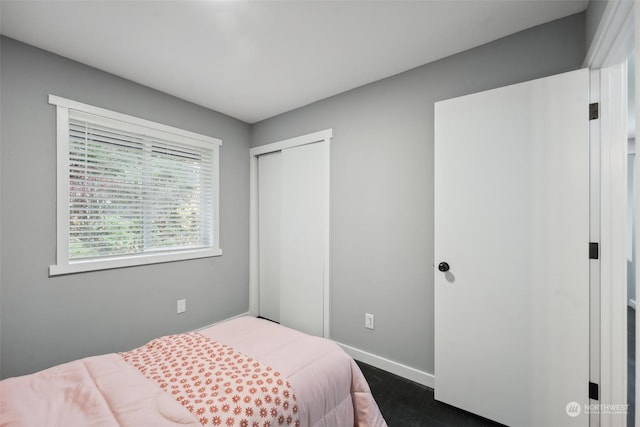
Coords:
594,111
593,391
594,250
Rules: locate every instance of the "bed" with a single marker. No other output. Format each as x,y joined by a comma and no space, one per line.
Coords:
245,372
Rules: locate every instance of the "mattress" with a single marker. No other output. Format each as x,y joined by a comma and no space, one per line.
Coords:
242,372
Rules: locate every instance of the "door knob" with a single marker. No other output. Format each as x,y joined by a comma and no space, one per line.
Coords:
443,266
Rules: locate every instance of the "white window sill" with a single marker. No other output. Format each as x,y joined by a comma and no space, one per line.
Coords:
129,261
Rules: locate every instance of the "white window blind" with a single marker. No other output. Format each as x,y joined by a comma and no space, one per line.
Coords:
132,192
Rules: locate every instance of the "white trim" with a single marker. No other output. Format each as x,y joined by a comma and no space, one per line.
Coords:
610,48
327,234
613,268
113,115
62,188
224,320
396,368
216,241
613,36
254,241
594,236
129,261
636,208
324,137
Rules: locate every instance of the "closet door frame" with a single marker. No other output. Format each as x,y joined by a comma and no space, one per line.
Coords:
321,137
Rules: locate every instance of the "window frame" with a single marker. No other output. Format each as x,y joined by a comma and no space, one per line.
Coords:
63,264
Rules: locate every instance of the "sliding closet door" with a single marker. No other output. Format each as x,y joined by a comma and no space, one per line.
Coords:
302,238
293,229
270,209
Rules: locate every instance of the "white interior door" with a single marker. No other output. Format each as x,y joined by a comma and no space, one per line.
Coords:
512,222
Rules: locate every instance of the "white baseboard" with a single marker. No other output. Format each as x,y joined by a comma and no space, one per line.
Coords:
396,368
230,318
632,303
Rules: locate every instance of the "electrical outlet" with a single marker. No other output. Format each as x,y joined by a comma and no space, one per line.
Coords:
182,305
368,321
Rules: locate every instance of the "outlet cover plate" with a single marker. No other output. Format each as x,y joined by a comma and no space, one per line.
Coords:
182,306
368,321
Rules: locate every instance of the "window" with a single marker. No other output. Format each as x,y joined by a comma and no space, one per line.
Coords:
131,191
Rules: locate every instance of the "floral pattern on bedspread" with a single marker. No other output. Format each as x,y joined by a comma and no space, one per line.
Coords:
220,386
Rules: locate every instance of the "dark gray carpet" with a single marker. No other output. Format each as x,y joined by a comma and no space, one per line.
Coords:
404,403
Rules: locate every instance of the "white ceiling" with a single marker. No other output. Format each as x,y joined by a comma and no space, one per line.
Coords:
256,59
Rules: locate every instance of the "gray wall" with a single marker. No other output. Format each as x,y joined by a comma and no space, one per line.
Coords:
382,204
45,321
382,182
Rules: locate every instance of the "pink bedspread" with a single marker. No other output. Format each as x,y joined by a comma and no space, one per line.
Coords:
108,391
330,387
97,391
217,384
